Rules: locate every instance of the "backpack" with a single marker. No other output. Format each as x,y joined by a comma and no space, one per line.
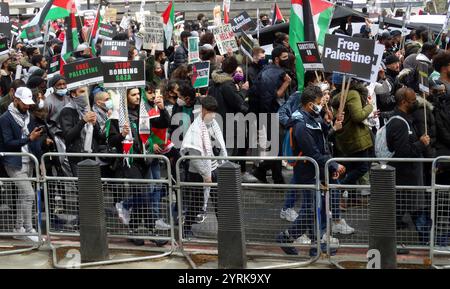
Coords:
381,147
288,147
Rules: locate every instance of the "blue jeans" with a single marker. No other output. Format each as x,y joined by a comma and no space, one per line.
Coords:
356,170
306,215
291,196
152,197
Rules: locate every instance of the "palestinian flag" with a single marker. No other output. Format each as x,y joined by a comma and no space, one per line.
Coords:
15,28
94,30
54,9
322,12
297,34
276,15
71,41
168,20
226,12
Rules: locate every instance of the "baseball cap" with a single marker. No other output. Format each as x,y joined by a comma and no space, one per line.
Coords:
25,95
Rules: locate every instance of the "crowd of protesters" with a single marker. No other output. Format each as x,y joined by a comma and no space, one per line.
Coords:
39,114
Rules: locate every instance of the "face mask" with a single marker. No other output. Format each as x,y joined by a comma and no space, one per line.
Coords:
109,104
262,62
317,109
80,101
265,22
181,102
414,107
237,77
163,61
61,92
41,104
284,63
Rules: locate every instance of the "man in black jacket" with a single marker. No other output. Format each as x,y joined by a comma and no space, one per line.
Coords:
78,122
181,53
403,140
258,63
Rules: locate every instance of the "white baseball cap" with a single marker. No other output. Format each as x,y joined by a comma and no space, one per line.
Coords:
25,95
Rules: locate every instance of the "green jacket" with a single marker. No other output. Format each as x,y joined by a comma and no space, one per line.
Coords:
354,136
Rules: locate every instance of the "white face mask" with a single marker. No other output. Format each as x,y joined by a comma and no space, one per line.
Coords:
317,108
181,102
41,104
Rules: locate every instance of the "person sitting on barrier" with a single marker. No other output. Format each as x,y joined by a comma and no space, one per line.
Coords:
135,207
402,139
19,133
203,138
310,133
80,129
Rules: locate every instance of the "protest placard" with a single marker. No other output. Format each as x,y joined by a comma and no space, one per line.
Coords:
154,32
4,49
106,31
114,50
33,34
110,15
247,44
423,77
200,74
243,22
124,74
125,22
5,24
15,26
193,54
309,53
54,66
379,50
348,55
224,37
217,16
83,73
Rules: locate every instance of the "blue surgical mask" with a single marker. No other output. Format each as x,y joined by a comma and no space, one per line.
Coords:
109,104
61,92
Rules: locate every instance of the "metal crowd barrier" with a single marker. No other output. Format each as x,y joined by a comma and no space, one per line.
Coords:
413,202
61,199
440,215
12,190
262,204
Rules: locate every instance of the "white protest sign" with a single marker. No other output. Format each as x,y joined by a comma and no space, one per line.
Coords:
154,32
224,37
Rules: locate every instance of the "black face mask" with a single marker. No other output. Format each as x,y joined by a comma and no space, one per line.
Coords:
413,107
265,22
285,63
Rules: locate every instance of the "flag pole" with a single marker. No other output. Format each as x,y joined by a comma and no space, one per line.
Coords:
425,114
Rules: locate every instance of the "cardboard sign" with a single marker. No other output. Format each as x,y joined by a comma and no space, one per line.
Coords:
106,31
345,3
83,73
54,66
309,53
200,76
243,22
154,32
5,24
423,77
125,22
224,37
247,44
348,55
33,34
217,15
110,15
193,49
179,19
113,50
4,49
124,74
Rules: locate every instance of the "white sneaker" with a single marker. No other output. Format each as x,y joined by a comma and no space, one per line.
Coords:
288,214
161,225
342,228
303,239
124,214
249,178
200,218
34,239
334,242
19,231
